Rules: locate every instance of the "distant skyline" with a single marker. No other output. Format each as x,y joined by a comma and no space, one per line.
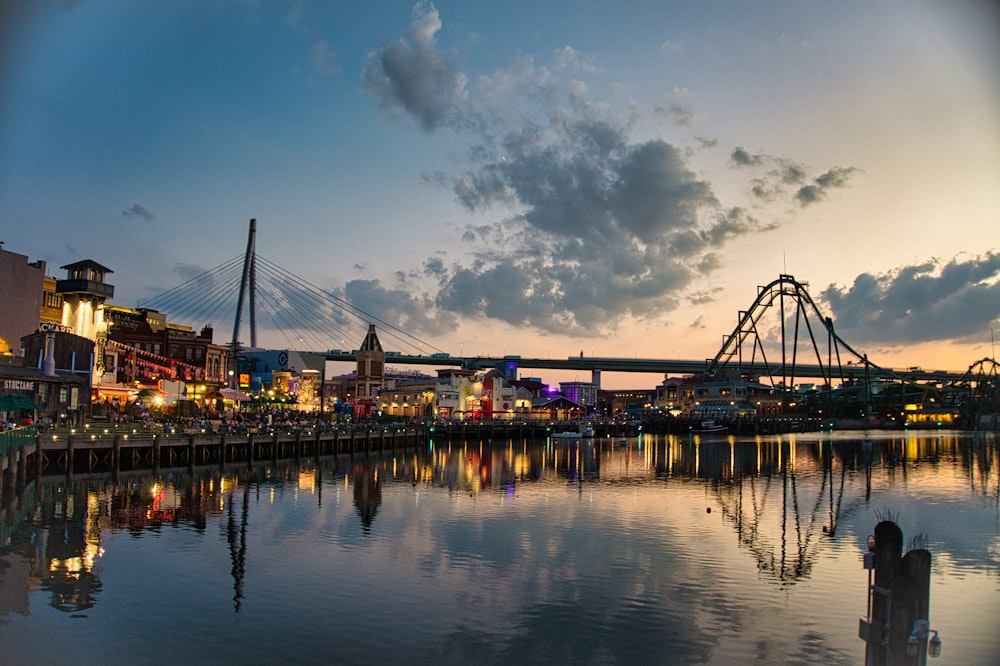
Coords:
529,178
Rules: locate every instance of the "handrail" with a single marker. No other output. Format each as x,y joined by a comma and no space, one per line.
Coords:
16,438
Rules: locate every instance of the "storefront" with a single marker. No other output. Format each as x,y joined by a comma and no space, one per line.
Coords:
29,396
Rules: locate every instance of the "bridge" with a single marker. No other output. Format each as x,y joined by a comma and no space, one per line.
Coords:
647,365
781,339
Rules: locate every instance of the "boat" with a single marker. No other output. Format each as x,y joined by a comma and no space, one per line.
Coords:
583,432
710,427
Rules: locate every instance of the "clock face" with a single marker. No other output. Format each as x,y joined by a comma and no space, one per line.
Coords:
282,359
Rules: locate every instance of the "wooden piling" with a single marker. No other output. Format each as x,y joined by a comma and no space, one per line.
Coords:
898,599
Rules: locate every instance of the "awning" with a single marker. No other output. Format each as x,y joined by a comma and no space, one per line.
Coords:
233,394
9,403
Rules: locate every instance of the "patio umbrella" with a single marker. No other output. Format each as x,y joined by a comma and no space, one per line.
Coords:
147,393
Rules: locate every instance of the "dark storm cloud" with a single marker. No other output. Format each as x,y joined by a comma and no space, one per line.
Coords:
413,75
920,303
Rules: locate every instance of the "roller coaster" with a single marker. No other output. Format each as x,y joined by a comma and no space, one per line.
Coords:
805,343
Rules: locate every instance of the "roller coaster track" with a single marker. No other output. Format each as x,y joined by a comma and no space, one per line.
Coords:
785,293
807,344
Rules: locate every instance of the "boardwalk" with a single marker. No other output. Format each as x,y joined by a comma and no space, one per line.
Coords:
30,453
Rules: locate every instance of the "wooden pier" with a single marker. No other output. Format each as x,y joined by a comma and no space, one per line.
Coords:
69,452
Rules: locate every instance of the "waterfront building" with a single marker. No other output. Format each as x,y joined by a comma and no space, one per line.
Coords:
21,287
52,302
370,377
555,407
582,393
631,401
84,293
503,399
55,387
716,396
453,394
145,351
424,399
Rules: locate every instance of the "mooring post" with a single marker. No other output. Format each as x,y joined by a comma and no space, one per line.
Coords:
69,456
897,630
39,458
116,454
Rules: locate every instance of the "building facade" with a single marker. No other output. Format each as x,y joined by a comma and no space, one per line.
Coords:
21,286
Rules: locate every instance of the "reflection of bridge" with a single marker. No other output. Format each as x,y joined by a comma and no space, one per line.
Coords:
783,338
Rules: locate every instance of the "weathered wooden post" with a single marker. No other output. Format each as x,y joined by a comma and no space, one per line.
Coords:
69,456
116,455
39,458
897,628
156,454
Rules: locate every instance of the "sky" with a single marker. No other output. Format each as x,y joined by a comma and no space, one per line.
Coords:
528,178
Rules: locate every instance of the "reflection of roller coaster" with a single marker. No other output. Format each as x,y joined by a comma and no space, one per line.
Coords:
803,343
768,491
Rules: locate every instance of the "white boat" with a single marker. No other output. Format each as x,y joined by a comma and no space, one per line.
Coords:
710,427
582,432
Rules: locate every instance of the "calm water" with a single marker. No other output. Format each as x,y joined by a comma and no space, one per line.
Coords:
650,550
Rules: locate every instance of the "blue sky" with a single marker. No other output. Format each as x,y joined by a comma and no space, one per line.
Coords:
533,178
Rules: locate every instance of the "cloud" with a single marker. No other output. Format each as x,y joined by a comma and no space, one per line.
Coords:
741,157
922,302
592,225
834,178
139,211
188,271
400,307
783,173
324,61
413,76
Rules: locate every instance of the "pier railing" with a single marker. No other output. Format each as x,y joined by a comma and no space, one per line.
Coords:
17,438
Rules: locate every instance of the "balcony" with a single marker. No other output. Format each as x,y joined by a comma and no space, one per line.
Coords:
89,287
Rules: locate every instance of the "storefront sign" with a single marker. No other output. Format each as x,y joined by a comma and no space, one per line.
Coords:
18,385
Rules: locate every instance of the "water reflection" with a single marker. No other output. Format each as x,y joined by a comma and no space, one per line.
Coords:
594,550
367,493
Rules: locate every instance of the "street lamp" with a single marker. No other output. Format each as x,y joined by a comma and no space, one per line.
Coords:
918,637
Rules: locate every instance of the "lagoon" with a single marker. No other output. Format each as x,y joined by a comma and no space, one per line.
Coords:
656,549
